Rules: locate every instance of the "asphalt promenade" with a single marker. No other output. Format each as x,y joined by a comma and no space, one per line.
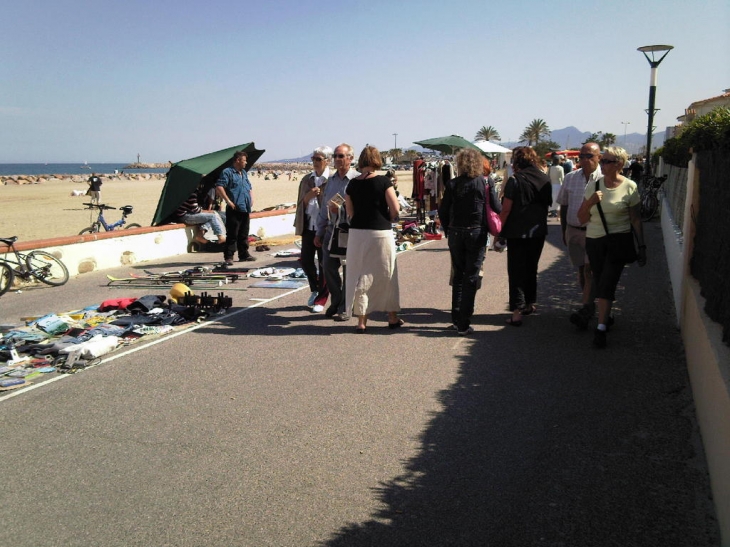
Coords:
273,426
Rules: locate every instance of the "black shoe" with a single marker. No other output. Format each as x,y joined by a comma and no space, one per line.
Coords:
599,338
331,311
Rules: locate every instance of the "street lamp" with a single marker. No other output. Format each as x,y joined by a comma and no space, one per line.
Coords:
654,63
626,124
395,140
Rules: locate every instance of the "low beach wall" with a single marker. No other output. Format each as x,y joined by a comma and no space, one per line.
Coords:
93,252
77,179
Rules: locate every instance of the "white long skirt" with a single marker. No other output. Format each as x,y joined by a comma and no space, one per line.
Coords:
372,272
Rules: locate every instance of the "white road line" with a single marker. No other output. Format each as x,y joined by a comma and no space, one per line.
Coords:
135,349
116,356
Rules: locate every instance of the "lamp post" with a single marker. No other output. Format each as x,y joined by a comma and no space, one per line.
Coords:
654,63
626,124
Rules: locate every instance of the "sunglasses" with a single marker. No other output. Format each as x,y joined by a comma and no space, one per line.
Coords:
315,158
339,156
607,162
586,156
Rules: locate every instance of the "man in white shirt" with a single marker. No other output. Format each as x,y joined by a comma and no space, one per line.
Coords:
570,199
556,179
309,202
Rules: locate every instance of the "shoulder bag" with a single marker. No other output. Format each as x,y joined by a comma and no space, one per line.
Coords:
494,222
621,248
340,233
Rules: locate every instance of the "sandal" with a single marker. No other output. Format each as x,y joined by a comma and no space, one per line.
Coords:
514,323
360,330
397,324
528,310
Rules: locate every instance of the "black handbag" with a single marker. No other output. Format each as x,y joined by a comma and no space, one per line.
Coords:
621,247
340,233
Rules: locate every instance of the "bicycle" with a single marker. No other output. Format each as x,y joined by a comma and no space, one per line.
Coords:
38,265
101,222
650,196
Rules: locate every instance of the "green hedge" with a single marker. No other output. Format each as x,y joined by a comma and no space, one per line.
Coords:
705,133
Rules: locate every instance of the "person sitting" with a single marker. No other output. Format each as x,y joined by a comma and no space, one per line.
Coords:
192,214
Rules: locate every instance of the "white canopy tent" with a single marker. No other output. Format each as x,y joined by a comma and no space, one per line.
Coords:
491,148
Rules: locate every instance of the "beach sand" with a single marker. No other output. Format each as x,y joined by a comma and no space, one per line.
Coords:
46,210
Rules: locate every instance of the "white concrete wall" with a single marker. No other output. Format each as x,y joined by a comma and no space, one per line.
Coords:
113,249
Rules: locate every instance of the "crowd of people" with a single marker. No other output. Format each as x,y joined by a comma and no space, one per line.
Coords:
345,218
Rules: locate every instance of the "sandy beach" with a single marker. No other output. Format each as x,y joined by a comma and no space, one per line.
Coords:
47,209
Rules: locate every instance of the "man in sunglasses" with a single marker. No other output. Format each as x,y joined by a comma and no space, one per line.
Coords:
570,199
334,196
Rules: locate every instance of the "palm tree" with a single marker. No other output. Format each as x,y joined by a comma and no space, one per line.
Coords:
607,140
533,132
487,133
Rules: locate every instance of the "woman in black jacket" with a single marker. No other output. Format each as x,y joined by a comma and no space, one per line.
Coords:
527,197
462,215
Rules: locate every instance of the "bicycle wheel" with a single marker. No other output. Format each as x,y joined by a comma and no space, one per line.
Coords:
6,277
649,206
93,229
46,268
133,225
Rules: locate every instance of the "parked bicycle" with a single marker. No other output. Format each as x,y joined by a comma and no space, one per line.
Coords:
101,222
650,196
38,265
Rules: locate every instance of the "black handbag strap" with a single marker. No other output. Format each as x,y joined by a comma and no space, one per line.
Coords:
600,210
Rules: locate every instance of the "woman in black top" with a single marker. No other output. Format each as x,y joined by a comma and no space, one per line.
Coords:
372,273
462,215
527,197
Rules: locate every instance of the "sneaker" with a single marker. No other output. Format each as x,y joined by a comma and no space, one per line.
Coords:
469,330
342,317
599,338
229,262
317,308
610,321
452,327
248,258
312,298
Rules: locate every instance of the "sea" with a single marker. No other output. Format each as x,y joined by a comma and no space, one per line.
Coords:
70,169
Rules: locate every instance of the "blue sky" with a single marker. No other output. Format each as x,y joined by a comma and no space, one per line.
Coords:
102,81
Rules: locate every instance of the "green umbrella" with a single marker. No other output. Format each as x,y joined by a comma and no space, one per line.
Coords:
185,176
447,145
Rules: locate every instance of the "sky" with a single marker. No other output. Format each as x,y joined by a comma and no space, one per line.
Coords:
103,81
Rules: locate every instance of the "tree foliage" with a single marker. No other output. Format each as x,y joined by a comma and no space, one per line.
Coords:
487,133
544,147
535,131
708,132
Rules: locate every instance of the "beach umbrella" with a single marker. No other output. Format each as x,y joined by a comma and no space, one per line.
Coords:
185,176
491,148
447,145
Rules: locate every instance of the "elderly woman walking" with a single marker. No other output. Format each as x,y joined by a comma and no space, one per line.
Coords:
612,209
372,273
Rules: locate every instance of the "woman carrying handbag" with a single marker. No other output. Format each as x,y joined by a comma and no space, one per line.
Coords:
612,211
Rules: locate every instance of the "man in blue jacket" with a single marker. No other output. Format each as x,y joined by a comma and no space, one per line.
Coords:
235,190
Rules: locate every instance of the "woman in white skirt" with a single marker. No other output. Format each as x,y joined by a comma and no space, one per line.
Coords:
372,274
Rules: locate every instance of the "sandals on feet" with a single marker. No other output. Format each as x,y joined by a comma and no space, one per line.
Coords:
397,324
511,322
528,310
